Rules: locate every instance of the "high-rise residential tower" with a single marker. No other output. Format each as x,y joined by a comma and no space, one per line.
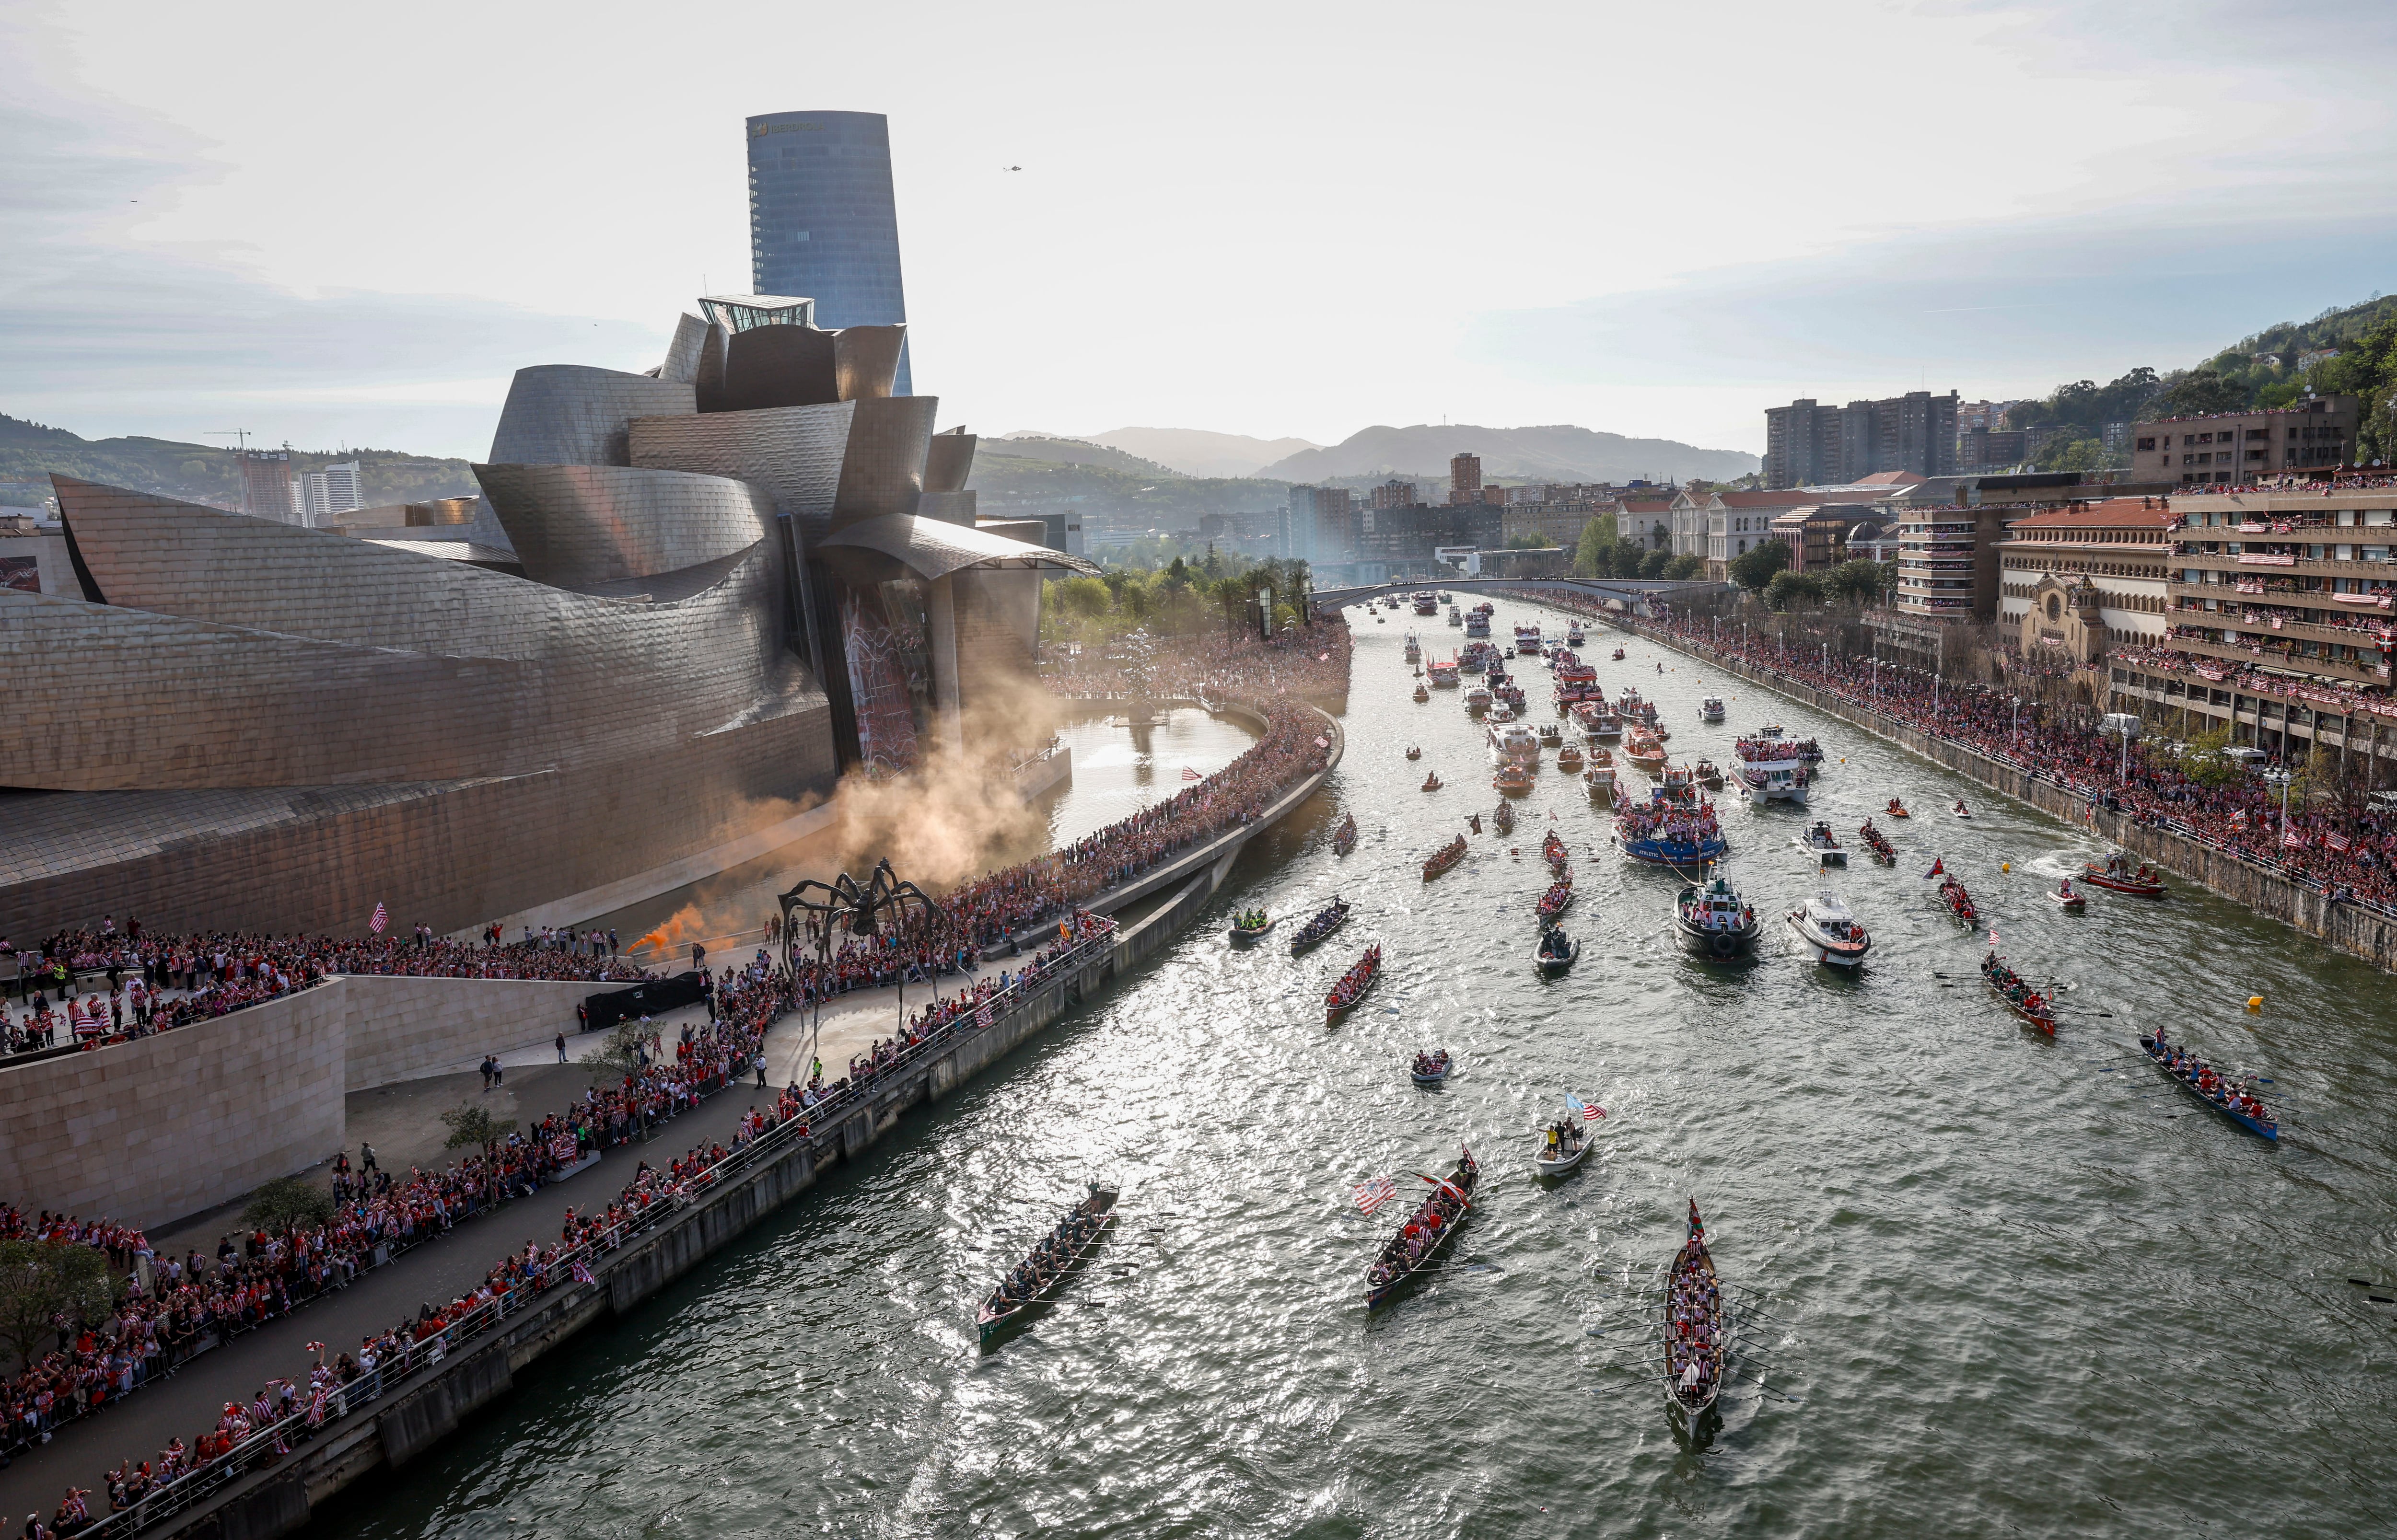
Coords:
823,221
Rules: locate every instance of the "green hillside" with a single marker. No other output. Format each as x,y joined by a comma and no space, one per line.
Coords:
1107,496
207,473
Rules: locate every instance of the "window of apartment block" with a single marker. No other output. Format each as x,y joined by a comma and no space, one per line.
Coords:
2147,443
2259,433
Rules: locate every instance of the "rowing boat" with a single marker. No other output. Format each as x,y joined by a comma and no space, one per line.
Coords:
1445,858
1556,901
2020,997
1050,1263
1345,840
1323,925
2192,1071
1426,1234
1503,820
1352,986
1693,1325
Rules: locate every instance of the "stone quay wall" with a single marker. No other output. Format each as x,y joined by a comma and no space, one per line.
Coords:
401,1028
419,1412
155,1128
2359,931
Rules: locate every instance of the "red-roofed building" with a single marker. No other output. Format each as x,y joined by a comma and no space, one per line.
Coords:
1738,522
2086,577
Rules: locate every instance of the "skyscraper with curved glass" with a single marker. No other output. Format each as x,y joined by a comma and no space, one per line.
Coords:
824,222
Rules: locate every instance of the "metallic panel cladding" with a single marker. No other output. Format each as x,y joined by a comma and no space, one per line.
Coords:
568,414
794,452
883,470
574,526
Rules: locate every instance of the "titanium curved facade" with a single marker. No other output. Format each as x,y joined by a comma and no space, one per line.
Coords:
823,219
576,526
565,414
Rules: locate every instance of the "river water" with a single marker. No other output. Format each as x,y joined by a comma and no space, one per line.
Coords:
2007,1285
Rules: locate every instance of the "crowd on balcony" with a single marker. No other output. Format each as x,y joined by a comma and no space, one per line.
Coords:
1310,660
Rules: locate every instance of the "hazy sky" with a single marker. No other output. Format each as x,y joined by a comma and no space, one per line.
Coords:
351,223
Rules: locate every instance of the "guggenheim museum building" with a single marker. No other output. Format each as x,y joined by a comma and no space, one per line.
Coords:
686,604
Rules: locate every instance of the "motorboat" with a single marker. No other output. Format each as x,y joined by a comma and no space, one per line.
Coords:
1512,740
1414,648
1644,752
1711,709
1049,1265
1695,1325
1568,759
1574,635
1708,775
1598,778
1562,1144
1512,779
1478,699
1422,695
1823,845
1680,783
2066,898
1830,932
1551,735
1454,616
1556,951
1618,654
2115,874
1250,925
1770,771
1897,809
1715,921
1501,710
1431,1069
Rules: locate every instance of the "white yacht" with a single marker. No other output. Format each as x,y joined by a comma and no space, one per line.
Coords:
1711,708
1414,648
1513,741
1830,932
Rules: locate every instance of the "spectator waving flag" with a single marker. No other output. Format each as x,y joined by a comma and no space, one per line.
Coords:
2336,840
1373,1194
381,917
2293,840
1189,775
1588,1114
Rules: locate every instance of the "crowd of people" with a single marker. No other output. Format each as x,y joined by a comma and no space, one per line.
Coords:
150,983
1310,660
1694,1321
2345,853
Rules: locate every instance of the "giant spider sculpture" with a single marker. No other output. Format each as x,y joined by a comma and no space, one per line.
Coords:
882,901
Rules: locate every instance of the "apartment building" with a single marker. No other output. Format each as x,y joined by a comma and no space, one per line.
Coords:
1395,493
1947,562
2084,578
1552,526
1808,443
1464,478
1738,522
2279,618
2240,449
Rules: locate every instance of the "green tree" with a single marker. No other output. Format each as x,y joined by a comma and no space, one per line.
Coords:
1683,569
1178,575
1589,557
2368,370
1792,591
473,1127
2201,761
1653,565
1524,543
43,1282
286,1203
1753,570
2071,454
1085,598
2201,390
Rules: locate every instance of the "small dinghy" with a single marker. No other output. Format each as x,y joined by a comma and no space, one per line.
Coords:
1897,809
2064,898
1562,1142
1431,1069
1426,1233
1352,986
1345,840
1414,753
1556,953
1250,925
2232,1096
1422,695
1040,1275
1315,930
1432,782
1696,1326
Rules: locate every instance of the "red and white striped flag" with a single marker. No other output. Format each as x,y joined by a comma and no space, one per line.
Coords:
1189,775
2336,840
381,917
1373,1194
2293,840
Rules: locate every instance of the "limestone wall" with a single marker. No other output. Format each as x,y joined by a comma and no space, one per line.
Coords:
150,1130
401,1028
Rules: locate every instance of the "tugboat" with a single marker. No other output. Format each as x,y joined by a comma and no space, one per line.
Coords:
2020,997
1711,709
1040,1275
1426,1234
1823,845
1249,924
1323,925
1696,1326
1430,1069
1715,921
2234,1097
1556,953
2116,875
1830,932
1345,840
1352,986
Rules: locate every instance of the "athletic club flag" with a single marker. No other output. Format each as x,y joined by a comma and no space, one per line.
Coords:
1373,1194
2293,840
2336,841
381,917
1189,775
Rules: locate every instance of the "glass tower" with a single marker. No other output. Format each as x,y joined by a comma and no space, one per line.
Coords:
822,219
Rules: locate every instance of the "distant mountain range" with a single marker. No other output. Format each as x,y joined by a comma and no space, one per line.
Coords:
1058,449
1560,453
208,473
1195,451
